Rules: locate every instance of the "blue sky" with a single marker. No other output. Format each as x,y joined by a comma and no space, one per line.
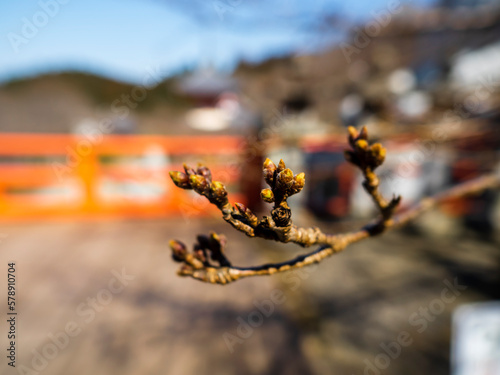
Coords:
126,39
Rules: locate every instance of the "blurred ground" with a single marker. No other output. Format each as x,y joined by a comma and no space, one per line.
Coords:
333,318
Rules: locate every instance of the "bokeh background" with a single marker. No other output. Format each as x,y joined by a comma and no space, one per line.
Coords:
100,99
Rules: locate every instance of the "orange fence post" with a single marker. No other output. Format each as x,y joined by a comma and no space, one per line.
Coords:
87,172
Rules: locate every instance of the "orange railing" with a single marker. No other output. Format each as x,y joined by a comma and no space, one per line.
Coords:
54,175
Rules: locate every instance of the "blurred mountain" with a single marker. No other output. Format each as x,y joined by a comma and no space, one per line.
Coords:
56,103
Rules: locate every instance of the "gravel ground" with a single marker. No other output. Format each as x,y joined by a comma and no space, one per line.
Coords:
335,318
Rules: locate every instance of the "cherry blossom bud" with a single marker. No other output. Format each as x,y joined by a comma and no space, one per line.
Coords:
269,169
353,134
240,208
199,183
205,172
299,182
218,189
267,195
189,171
179,250
378,153
363,134
362,144
281,166
180,179
285,179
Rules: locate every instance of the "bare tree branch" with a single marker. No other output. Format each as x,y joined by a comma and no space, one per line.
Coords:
208,263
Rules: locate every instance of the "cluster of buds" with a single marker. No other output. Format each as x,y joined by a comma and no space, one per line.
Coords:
180,254
283,183
212,248
208,249
362,154
200,180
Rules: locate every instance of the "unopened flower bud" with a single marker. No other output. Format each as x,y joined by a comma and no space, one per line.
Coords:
353,133
204,171
362,144
378,154
246,213
180,179
378,149
199,183
200,254
240,208
252,219
267,195
179,250
218,189
268,164
363,134
193,261
202,240
220,238
217,241
269,169
281,166
285,179
299,182
189,171
214,236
